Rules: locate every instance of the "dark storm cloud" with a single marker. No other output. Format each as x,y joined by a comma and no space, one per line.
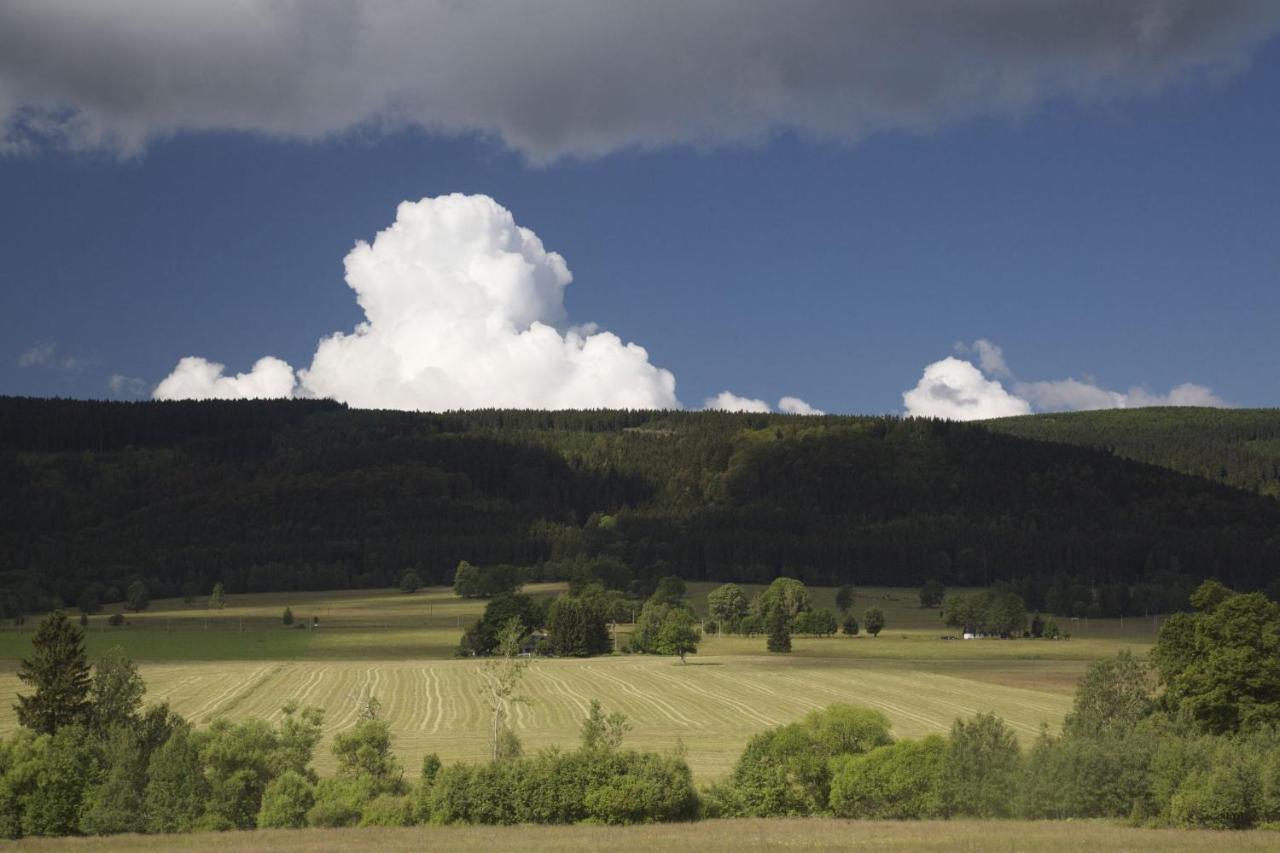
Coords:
583,77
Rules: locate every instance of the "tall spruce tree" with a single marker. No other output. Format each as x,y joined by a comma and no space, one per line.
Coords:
778,628
59,672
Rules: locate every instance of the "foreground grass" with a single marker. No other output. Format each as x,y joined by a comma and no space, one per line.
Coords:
729,836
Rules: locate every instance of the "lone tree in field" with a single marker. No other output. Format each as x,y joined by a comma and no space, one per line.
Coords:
287,616
410,582
501,678
778,627
138,596
678,635
217,599
932,593
59,672
874,621
466,580
844,598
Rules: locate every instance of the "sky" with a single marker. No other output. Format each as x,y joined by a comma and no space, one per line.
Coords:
965,209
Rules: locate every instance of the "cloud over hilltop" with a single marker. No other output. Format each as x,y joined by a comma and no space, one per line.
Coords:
959,390
577,77
463,308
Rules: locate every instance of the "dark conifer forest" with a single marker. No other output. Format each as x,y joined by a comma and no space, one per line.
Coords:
1112,513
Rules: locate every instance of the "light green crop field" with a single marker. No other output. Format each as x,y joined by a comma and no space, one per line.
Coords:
717,836
241,661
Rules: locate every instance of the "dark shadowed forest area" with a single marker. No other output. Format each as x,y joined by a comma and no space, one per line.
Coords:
1100,512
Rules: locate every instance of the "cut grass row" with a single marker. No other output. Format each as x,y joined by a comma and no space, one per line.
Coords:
240,661
712,705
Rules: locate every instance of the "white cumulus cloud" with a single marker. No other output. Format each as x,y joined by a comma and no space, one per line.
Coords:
196,378
463,309
796,406
727,401
957,389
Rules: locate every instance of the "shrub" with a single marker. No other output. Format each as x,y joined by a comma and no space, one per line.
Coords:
286,801
1223,797
340,801
894,782
410,582
651,788
980,774
1075,777
874,620
784,771
388,810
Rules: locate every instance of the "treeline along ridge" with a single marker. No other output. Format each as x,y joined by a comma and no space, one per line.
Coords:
278,495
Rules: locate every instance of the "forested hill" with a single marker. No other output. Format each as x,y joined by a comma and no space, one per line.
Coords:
308,494
1239,447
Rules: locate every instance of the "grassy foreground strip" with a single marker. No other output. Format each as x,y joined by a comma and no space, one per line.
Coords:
713,835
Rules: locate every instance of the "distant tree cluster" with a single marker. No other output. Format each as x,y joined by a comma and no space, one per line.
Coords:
998,612
472,582
780,611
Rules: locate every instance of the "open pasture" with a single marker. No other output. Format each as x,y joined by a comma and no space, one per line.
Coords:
241,661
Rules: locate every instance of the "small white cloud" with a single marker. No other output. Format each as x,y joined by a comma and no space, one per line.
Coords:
45,354
126,386
796,406
990,357
727,401
38,355
198,379
955,389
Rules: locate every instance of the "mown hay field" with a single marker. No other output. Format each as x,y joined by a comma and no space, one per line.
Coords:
241,661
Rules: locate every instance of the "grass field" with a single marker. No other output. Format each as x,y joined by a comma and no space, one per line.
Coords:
241,661
720,836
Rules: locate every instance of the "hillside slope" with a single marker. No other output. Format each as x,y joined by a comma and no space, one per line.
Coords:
308,494
1238,447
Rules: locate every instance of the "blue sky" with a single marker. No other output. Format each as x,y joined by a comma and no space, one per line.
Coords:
1126,241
